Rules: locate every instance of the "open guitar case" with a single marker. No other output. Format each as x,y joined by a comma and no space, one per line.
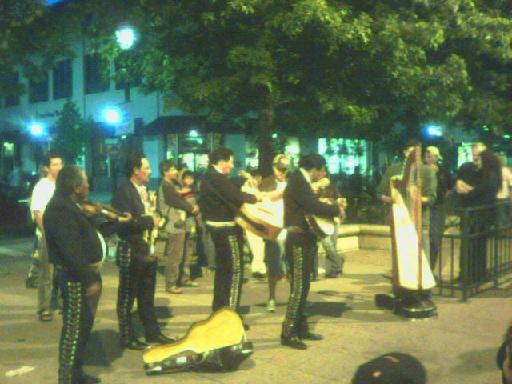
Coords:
217,343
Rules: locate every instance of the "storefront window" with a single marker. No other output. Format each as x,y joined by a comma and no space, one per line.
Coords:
193,149
464,153
344,155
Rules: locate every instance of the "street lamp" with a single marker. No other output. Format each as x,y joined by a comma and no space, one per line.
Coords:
112,115
433,131
37,129
126,37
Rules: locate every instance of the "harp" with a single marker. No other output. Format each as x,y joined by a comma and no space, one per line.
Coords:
411,269
411,274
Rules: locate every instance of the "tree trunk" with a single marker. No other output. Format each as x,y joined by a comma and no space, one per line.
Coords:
266,127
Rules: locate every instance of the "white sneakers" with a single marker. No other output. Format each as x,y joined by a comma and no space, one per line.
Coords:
271,305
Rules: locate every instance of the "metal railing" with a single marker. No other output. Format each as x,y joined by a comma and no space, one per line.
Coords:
476,251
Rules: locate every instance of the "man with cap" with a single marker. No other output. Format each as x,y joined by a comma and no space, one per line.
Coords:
433,159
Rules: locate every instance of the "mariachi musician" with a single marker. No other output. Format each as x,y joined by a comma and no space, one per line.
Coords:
415,191
299,202
219,201
137,266
76,248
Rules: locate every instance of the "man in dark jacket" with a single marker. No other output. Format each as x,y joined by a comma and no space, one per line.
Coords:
137,266
219,201
300,201
76,248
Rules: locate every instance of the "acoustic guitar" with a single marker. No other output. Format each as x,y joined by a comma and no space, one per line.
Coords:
323,226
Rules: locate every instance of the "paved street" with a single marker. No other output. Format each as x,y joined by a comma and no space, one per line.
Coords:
458,347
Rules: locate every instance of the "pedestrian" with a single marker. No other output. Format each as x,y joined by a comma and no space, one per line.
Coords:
41,195
433,159
190,255
173,209
478,186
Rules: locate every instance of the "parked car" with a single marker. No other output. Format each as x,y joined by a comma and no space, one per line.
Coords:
15,202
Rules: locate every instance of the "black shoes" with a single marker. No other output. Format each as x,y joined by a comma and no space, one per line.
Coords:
333,275
134,345
160,339
293,341
311,336
246,326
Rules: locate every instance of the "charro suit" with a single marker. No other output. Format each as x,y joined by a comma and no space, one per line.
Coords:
299,201
75,248
137,268
219,202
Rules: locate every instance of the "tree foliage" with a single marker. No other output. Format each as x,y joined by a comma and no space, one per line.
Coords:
357,67
71,133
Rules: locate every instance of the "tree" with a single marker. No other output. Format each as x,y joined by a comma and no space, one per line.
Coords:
32,38
351,68
71,133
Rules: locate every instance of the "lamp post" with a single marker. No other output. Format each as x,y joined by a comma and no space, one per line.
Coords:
126,37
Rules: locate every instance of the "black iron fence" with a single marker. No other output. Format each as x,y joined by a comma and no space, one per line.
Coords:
476,250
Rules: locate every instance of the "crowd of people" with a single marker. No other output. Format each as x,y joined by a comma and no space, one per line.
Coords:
189,215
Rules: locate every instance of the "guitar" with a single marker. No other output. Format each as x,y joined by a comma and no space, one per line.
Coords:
324,226
219,341
264,219
150,236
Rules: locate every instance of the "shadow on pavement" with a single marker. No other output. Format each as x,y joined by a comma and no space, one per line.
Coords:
330,309
103,348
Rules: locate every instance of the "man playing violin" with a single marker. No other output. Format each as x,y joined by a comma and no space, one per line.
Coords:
137,266
77,248
299,201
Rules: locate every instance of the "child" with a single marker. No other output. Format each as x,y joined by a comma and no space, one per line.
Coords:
188,192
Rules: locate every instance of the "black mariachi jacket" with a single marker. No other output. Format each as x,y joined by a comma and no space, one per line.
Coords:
72,238
300,200
127,199
220,198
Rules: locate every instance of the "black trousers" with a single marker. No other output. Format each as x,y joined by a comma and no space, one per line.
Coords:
78,311
299,255
227,289
137,279
437,218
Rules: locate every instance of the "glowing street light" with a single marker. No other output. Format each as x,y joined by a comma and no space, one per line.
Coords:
433,131
112,115
126,37
37,129
193,133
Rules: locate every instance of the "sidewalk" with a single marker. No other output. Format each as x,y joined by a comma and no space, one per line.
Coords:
458,347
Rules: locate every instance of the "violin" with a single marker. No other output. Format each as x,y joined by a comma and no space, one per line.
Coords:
97,209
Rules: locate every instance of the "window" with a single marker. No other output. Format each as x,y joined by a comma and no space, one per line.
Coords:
63,80
95,81
38,89
13,99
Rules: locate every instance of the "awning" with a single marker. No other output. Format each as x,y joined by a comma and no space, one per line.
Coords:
181,124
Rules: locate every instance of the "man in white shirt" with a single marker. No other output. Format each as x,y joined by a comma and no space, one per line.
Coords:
41,195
